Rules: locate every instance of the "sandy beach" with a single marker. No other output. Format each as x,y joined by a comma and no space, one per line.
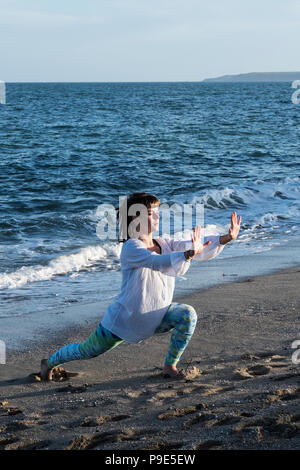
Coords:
241,391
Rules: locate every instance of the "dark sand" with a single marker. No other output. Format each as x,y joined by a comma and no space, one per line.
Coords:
242,390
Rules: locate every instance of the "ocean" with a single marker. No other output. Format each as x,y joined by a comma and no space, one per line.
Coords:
67,148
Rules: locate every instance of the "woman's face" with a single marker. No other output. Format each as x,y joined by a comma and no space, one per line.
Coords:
153,218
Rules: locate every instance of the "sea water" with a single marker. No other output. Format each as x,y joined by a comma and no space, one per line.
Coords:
67,148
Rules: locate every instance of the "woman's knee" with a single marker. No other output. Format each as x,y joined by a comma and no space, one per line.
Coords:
189,314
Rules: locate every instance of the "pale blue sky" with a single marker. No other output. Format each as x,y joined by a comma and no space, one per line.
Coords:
146,40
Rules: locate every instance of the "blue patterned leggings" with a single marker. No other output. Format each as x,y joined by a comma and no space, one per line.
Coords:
181,319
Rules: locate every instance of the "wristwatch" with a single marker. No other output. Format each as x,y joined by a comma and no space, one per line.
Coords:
189,254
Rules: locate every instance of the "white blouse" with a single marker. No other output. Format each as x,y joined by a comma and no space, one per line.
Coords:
148,281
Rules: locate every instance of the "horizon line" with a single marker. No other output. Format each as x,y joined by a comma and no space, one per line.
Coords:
151,81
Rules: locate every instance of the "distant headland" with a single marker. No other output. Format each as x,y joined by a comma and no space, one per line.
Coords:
257,77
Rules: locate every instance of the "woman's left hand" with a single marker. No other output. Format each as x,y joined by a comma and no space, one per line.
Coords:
235,226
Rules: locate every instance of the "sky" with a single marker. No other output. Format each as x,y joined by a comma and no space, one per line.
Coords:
146,40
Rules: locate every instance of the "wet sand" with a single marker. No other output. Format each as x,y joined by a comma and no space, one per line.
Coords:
242,390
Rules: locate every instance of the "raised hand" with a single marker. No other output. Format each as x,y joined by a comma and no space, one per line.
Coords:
235,226
196,239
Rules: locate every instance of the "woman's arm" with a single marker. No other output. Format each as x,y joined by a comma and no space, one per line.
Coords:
135,255
209,251
217,242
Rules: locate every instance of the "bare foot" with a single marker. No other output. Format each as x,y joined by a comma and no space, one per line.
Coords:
46,372
171,372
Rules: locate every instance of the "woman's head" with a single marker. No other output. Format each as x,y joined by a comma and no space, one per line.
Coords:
136,206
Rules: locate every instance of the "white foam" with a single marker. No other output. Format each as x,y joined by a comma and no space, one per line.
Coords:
64,264
268,218
259,192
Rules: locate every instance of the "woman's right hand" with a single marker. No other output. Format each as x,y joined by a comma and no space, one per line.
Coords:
196,239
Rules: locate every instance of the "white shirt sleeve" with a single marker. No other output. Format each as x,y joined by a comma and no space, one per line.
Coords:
135,255
210,251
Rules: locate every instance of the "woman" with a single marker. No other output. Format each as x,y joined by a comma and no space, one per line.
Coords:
144,306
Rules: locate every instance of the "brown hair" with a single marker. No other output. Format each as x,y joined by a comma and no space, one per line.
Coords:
146,199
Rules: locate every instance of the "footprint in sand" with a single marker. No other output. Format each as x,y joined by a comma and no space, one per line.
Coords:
210,419
245,373
28,444
133,394
281,377
259,369
277,361
158,398
255,356
192,372
213,390
91,441
207,445
241,374
187,390
18,426
199,418
160,445
268,356
272,360
167,394
181,412
225,420
292,393
6,410
5,441
136,393
93,422
283,426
